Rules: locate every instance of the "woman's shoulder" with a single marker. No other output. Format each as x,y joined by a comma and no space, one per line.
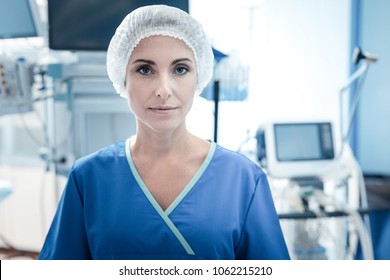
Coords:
233,155
103,156
230,157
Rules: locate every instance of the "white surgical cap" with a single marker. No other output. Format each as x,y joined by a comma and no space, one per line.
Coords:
158,20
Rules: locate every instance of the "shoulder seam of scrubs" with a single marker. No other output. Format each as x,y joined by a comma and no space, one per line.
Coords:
154,203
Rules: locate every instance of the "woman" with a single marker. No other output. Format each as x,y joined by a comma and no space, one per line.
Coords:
164,193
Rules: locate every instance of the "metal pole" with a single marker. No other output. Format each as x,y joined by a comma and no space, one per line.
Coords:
216,104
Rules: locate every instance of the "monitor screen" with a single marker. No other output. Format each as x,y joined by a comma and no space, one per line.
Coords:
19,19
299,149
303,141
88,25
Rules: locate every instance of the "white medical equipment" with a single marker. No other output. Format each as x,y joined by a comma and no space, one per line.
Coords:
321,190
16,79
5,189
323,184
18,19
301,149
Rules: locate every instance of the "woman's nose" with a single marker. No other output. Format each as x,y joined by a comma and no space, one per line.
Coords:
164,89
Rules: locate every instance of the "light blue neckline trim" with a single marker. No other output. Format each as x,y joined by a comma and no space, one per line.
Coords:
194,179
180,197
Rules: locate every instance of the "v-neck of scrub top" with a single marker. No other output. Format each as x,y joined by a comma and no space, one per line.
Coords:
185,190
165,214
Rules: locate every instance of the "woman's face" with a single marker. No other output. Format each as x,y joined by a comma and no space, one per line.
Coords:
161,82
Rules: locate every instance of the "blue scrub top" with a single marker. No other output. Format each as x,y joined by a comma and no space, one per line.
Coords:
106,212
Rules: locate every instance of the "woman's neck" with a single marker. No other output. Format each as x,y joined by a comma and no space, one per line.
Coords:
155,144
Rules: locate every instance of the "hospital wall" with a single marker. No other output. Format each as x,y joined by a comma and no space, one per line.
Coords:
373,130
298,53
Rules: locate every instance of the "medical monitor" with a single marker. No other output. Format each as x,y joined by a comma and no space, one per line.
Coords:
79,25
19,19
303,141
299,149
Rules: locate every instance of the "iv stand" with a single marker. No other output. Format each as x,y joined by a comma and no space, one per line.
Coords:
361,73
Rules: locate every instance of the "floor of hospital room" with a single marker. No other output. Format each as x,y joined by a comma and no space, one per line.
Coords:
13,254
25,214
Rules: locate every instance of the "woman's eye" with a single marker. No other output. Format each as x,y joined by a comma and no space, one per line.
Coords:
181,70
144,70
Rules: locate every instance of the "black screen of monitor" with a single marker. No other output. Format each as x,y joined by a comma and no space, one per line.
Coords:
88,25
303,141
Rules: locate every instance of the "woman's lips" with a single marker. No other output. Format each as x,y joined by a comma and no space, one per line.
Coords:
162,108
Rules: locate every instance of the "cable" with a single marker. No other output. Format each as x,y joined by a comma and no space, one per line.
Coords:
30,133
362,71
364,198
362,231
42,202
355,103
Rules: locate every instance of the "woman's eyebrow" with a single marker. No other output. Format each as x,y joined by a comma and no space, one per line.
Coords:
151,62
146,61
181,60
